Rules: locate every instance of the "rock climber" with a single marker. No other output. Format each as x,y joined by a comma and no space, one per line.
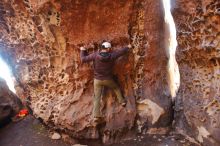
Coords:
103,62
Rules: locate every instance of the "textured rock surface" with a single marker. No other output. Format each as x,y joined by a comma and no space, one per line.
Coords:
198,56
9,102
41,38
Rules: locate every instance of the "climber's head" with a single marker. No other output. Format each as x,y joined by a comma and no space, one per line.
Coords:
106,47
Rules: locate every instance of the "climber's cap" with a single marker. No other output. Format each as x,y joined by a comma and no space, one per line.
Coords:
106,45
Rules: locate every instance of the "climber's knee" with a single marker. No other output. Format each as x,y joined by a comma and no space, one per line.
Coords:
111,84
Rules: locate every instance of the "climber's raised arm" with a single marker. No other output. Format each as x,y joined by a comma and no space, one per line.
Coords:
120,52
85,57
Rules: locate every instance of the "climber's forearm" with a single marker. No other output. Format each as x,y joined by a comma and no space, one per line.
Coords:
121,52
85,57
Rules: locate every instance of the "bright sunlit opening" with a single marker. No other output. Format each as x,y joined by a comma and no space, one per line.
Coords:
172,28
171,45
5,73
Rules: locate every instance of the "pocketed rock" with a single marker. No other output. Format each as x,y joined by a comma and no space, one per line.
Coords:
41,40
198,56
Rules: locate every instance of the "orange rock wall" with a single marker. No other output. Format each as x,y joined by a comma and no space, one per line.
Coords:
198,100
40,40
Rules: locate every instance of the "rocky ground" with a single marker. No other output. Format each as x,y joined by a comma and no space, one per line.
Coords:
31,132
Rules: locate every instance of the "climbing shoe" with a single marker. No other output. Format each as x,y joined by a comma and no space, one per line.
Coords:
123,104
97,121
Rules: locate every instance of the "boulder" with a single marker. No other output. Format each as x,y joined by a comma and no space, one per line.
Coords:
9,103
41,40
55,136
43,47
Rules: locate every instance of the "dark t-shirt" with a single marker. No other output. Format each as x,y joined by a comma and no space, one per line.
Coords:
103,64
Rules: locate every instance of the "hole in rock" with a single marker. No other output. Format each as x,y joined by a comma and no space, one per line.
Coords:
6,74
